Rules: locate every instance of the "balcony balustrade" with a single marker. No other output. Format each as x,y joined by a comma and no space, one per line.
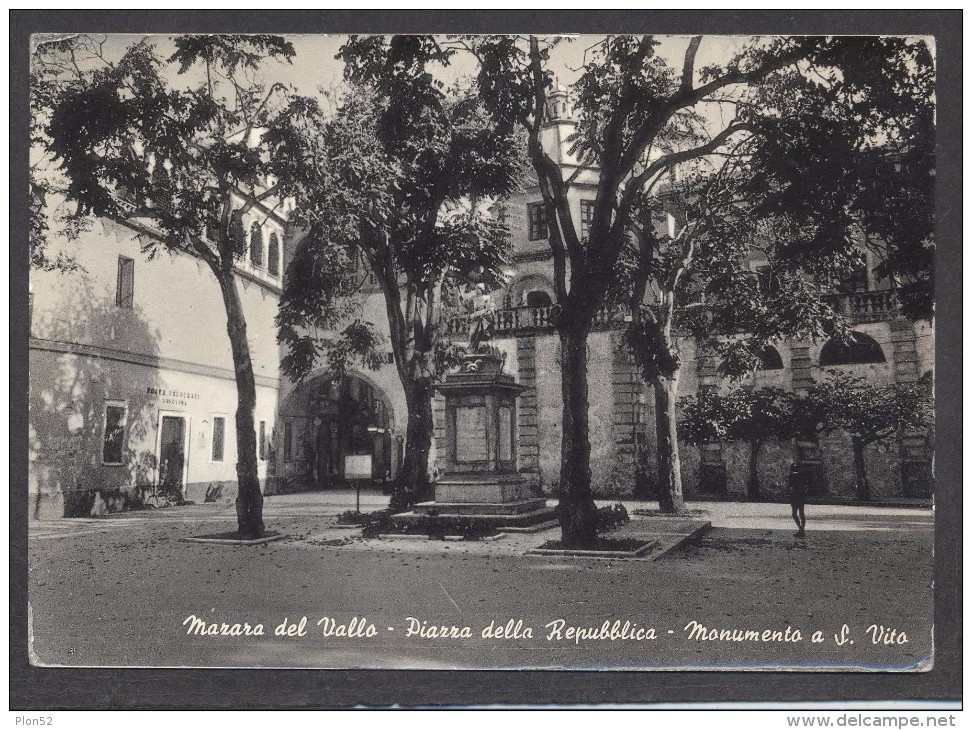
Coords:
865,306
513,321
856,307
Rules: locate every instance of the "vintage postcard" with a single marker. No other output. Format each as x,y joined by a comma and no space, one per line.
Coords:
563,352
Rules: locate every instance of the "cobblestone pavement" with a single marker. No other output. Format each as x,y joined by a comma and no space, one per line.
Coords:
115,591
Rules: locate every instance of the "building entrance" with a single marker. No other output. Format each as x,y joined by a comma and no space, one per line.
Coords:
172,453
347,419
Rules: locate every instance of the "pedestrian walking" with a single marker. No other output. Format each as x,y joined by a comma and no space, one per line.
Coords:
799,486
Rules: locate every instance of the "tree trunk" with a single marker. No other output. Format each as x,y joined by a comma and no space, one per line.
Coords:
578,521
860,472
413,484
249,499
752,487
670,498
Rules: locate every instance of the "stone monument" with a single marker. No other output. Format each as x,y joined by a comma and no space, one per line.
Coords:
479,477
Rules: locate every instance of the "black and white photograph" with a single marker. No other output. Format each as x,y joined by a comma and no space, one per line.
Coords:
463,351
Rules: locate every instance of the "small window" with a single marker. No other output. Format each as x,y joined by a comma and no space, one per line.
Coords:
537,218
288,444
858,349
256,245
857,281
115,417
263,441
125,290
765,280
219,437
273,255
587,215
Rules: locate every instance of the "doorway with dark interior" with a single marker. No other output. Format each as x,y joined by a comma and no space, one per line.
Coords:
349,418
173,432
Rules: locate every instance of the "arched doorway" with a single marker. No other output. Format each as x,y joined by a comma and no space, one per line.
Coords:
530,290
340,419
858,348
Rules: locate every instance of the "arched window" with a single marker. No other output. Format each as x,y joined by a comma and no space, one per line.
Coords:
256,245
538,298
273,255
769,359
857,349
530,290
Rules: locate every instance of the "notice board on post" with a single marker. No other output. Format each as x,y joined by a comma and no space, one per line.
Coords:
357,466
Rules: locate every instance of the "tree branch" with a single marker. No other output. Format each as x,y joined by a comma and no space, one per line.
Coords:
634,185
690,96
562,239
688,67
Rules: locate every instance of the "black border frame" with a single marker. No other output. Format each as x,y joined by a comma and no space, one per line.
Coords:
48,689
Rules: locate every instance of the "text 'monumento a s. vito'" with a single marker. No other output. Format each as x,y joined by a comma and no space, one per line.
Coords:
479,478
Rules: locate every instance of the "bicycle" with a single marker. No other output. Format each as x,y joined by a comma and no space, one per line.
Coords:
163,494
164,497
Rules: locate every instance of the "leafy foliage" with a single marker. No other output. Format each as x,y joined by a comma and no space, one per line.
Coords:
869,412
134,145
797,190
186,160
744,414
401,180
45,186
841,402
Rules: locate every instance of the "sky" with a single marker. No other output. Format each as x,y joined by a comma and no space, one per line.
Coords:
315,65
315,68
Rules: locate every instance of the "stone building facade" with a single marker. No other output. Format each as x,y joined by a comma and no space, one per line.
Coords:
621,404
129,359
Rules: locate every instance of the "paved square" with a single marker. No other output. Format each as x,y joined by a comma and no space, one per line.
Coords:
116,591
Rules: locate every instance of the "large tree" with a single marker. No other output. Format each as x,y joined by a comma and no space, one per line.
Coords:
628,100
403,175
691,276
639,118
868,413
751,415
794,191
175,144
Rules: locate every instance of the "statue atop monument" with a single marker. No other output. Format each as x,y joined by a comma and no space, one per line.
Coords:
482,320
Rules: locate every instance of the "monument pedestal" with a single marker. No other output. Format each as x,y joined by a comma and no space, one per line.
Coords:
479,477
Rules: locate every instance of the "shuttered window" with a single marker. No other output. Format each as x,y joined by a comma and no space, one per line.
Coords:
256,245
273,255
125,289
587,215
288,445
537,218
219,437
114,443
